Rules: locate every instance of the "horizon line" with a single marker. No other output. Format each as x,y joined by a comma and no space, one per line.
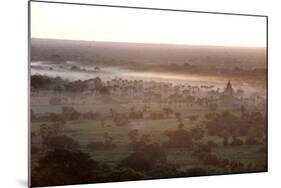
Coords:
150,43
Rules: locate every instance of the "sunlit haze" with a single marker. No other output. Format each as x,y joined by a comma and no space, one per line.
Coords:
92,23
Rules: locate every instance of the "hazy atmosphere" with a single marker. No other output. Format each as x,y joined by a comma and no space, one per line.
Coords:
91,23
121,94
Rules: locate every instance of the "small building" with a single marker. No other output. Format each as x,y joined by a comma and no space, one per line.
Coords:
227,96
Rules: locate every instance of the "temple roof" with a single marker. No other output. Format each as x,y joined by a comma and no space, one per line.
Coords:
228,90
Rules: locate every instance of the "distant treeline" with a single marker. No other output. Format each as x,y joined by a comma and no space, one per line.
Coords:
255,76
57,84
134,55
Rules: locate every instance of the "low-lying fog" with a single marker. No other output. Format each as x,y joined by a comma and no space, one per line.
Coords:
74,71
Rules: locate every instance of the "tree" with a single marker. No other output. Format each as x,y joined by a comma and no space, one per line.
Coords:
69,113
58,89
146,138
98,83
179,139
213,107
180,125
61,167
197,133
193,118
40,82
167,111
104,91
61,142
178,115
133,134
242,110
146,158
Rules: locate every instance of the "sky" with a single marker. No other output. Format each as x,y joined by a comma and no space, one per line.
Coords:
94,23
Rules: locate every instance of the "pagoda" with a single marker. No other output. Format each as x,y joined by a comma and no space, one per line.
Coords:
227,96
228,90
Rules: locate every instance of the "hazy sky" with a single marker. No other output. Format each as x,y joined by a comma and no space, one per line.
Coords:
91,23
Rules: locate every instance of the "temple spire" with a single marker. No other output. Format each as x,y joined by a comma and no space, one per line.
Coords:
228,90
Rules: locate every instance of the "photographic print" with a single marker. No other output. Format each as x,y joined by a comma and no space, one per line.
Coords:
126,93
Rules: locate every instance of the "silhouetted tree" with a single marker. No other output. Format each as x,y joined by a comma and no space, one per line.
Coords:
193,118
61,167
146,158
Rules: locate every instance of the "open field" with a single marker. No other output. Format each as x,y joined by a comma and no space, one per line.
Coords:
89,131
112,119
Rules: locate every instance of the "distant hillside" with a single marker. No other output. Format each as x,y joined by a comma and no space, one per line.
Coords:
135,55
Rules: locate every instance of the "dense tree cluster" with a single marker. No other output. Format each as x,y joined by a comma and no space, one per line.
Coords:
60,167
